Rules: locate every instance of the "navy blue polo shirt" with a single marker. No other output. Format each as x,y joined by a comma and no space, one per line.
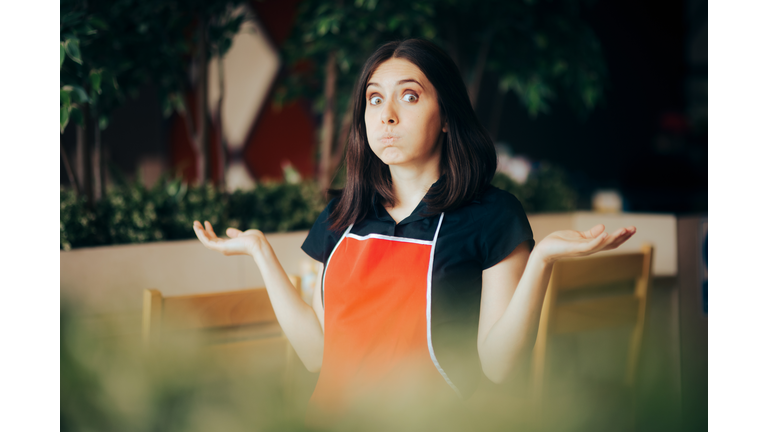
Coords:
472,238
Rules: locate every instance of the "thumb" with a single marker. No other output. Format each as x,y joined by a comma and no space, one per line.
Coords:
233,232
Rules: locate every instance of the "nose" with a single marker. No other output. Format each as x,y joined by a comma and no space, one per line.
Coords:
389,113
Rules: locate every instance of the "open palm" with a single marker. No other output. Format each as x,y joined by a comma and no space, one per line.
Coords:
570,243
239,243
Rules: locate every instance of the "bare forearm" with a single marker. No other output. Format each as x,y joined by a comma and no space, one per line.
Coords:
514,334
297,319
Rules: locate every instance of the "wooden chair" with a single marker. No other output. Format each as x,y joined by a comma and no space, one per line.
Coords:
593,293
238,326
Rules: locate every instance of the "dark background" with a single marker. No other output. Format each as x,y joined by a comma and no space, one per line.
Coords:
647,138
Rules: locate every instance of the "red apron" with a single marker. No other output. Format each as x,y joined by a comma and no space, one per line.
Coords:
377,300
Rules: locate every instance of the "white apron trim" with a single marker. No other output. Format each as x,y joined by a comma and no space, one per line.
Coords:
325,269
391,238
429,310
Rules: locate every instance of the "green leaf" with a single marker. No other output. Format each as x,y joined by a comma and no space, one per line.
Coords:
64,118
62,55
96,81
322,28
79,95
98,23
64,98
72,48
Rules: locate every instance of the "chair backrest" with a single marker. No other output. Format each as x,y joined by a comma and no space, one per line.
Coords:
239,330
226,315
592,293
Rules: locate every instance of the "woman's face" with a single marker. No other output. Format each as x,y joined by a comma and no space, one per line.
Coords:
402,115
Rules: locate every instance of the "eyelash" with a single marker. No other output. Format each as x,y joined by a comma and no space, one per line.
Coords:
370,99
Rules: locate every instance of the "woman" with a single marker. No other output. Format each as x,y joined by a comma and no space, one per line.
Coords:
430,273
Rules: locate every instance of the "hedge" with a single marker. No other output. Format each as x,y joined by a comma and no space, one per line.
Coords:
132,213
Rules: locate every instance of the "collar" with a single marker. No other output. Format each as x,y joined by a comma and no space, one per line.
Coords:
418,213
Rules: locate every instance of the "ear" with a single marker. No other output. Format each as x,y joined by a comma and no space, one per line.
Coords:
445,127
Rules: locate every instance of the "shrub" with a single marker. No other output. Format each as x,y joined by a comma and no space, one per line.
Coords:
131,213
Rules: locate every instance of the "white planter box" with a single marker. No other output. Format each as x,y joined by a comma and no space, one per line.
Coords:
111,279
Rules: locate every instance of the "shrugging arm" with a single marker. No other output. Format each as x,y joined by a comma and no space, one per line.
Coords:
514,290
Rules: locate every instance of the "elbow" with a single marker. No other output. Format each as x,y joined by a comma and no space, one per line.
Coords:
496,375
312,362
498,366
495,370
312,366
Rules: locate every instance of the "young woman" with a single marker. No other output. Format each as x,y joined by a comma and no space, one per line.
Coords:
430,274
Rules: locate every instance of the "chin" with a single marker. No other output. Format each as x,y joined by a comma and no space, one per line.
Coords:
390,159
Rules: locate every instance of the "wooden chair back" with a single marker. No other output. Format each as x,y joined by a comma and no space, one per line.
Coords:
238,326
595,293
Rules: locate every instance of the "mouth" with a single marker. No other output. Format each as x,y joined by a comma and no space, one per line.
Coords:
388,139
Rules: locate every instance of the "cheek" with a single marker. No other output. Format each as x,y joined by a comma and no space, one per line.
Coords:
369,124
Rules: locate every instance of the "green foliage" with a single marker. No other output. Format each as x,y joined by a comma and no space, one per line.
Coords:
115,46
111,383
541,50
350,30
545,191
131,213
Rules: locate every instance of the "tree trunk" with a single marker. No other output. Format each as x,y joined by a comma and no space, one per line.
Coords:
496,111
201,138
341,141
68,168
96,161
477,73
329,122
83,155
221,149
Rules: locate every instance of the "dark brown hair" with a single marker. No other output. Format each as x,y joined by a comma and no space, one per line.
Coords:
468,156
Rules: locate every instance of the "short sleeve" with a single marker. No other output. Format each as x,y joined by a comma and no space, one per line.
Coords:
321,239
504,226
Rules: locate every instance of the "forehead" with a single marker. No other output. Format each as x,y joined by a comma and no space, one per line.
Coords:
393,70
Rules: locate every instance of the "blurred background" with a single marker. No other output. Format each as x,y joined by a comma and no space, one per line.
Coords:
610,95
237,112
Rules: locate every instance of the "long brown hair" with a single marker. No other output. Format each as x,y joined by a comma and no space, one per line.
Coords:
468,158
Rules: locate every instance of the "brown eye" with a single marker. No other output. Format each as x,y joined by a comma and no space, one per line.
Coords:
376,100
410,97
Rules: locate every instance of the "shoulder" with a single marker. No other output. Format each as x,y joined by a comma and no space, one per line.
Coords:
500,225
321,238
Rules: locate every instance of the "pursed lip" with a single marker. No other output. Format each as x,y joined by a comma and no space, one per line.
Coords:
388,138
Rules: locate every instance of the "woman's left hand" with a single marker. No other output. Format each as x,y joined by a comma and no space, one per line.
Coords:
570,244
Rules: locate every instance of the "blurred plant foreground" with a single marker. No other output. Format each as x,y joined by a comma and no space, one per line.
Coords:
185,384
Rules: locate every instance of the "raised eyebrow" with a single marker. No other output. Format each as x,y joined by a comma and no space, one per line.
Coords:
401,82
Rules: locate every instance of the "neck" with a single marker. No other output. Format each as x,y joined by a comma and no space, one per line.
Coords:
410,184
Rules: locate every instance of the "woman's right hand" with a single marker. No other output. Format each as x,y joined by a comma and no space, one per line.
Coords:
248,242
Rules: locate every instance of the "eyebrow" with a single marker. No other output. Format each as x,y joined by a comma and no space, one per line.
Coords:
401,82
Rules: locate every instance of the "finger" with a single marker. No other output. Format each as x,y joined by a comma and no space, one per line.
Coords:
233,232
623,237
202,235
209,228
594,231
594,244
